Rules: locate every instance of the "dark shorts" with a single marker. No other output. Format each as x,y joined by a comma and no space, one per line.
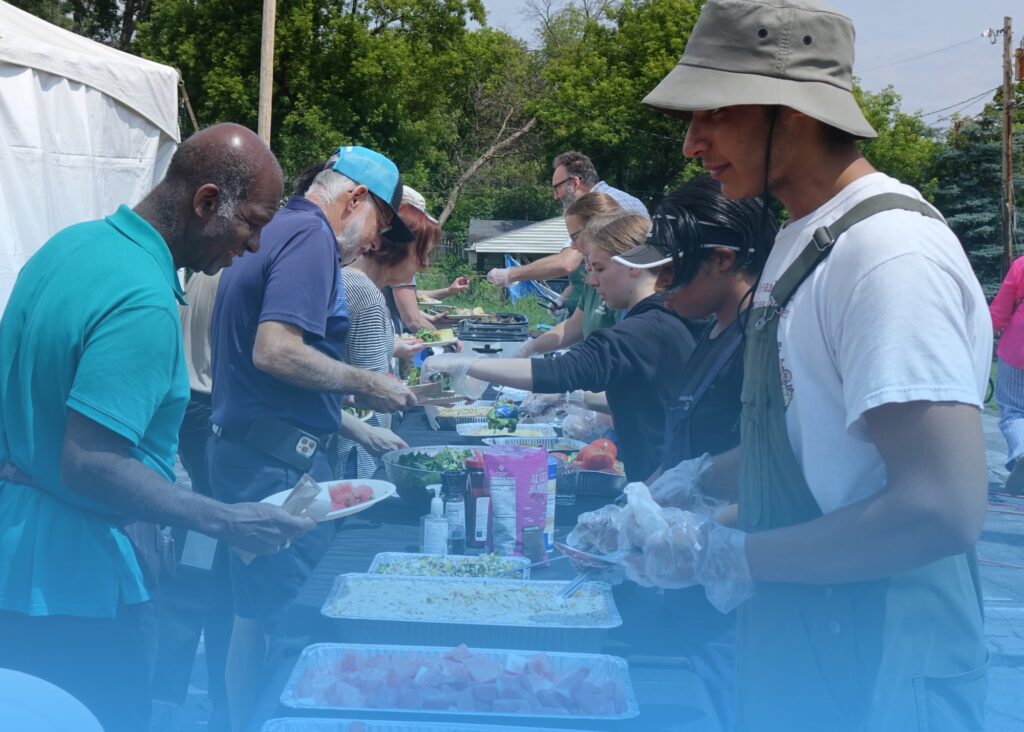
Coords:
263,589
106,663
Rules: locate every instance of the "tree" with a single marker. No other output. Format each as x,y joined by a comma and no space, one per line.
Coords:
906,148
600,60
112,22
969,194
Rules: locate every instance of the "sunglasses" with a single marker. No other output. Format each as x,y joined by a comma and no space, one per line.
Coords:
383,215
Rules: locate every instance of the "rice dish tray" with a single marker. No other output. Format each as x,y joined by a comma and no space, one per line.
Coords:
498,602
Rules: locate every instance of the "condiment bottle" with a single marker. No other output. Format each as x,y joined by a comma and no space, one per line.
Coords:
478,506
453,491
549,515
434,526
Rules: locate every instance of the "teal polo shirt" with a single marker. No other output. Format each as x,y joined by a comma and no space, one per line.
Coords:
92,325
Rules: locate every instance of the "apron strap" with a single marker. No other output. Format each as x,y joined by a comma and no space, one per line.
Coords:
723,358
825,237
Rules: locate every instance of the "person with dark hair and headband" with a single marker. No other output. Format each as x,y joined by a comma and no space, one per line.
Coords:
710,252
860,478
94,390
716,249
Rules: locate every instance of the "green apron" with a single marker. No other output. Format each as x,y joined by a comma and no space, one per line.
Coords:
899,654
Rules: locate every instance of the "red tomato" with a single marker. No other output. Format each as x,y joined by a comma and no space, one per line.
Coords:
606,445
593,458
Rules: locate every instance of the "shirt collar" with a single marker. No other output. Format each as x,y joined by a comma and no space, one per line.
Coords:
141,232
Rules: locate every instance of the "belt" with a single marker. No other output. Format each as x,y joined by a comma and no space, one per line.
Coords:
276,438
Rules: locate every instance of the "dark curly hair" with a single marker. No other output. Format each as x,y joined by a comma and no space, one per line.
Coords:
696,215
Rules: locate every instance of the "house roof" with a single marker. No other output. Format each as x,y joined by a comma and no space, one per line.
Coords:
541,237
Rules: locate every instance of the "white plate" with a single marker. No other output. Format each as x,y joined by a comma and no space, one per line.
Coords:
381,490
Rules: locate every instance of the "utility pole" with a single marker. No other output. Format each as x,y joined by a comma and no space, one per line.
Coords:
266,70
1008,99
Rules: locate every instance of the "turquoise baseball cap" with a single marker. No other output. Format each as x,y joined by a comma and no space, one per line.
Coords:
381,177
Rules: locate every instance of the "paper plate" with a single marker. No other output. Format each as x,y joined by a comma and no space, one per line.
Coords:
439,344
381,490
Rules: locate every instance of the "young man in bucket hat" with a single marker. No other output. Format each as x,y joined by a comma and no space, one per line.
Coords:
860,477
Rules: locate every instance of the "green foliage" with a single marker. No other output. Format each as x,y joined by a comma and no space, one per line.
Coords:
597,71
969,193
905,148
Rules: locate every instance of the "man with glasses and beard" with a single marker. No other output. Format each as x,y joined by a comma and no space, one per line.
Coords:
278,345
573,175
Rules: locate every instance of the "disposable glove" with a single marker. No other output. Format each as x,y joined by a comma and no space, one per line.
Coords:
669,548
499,277
456,365
680,487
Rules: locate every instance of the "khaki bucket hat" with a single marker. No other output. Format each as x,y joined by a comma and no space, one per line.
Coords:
794,53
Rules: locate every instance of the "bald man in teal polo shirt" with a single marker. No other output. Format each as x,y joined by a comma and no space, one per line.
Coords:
93,391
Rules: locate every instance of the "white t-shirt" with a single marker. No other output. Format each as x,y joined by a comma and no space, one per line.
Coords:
894,314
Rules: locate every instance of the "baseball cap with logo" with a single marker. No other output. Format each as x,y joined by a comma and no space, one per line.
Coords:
793,53
380,176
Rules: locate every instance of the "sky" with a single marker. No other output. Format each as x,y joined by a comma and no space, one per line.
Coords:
890,31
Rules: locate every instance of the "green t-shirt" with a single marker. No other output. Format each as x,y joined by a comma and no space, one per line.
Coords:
595,313
92,325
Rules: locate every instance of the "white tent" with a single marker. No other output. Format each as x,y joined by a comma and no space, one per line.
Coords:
85,128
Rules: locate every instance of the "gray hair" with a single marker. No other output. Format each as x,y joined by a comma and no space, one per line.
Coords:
329,184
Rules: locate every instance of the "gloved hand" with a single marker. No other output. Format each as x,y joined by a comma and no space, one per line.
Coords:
499,276
457,366
525,350
536,404
680,487
669,547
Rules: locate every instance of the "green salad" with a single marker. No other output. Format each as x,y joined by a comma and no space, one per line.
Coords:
427,336
447,459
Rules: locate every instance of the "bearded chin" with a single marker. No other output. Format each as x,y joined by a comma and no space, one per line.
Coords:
350,239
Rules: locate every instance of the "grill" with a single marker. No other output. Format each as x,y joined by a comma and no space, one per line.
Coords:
494,335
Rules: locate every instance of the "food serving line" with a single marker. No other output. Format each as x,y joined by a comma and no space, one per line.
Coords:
637,660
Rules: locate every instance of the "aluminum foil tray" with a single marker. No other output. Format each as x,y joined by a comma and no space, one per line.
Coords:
591,483
379,622
381,561
324,655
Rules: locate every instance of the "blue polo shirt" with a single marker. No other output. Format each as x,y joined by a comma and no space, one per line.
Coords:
293,278
92,325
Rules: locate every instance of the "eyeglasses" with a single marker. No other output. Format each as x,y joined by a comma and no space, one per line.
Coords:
381,231
562,182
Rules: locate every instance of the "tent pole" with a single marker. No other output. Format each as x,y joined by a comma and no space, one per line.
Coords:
266,69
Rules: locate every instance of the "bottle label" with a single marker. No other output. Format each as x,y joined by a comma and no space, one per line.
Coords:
435,537
483,506
455,512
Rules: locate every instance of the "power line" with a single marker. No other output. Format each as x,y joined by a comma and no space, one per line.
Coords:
973,99
914,58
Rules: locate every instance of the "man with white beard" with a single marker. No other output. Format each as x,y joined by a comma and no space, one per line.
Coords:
278,340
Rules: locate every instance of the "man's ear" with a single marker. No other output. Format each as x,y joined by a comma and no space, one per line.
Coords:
206,201
358,195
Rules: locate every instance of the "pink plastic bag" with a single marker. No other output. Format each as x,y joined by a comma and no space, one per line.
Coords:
518,481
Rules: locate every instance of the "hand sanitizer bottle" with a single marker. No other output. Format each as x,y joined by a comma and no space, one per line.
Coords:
434,525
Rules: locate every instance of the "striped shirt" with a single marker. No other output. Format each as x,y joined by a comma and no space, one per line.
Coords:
371,342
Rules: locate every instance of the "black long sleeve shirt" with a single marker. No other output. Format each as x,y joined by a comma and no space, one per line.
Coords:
639,364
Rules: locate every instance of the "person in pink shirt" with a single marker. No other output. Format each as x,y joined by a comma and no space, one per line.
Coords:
1008,323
